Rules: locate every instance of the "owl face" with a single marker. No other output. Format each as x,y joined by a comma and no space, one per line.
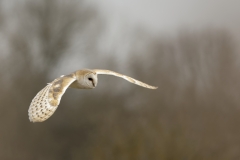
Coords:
90,80
86,79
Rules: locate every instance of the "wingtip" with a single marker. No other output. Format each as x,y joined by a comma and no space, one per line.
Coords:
31,120
34,121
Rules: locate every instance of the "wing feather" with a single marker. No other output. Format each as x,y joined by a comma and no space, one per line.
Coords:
47,100
130,79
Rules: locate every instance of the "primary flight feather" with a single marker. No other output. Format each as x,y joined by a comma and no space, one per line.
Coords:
47,100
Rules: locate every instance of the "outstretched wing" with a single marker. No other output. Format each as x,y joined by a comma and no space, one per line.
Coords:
47,100
132,80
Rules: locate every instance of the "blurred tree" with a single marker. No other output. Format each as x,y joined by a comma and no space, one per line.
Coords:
37,35
190,116
193,115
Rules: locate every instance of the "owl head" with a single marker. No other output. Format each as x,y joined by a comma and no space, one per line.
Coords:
85,79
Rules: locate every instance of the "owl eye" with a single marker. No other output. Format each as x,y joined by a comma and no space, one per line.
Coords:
90,79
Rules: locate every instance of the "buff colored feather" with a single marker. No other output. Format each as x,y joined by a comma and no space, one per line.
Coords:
45,103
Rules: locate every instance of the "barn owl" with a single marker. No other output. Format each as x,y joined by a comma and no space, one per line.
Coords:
45,103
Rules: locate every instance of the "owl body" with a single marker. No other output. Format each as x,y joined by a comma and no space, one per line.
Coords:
45,103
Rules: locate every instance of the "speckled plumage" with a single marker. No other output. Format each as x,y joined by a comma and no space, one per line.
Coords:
40,108
47,100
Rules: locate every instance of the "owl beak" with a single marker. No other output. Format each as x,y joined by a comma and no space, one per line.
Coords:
93,83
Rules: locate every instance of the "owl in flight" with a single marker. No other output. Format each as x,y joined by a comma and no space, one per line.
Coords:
47,100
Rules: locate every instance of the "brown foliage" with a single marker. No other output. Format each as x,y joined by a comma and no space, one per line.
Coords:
193,115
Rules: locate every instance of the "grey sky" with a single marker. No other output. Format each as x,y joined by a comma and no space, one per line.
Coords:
168,16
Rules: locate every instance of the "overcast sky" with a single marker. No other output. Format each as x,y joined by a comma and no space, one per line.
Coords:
169,16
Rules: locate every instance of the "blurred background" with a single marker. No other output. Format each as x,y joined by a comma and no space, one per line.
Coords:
189,49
